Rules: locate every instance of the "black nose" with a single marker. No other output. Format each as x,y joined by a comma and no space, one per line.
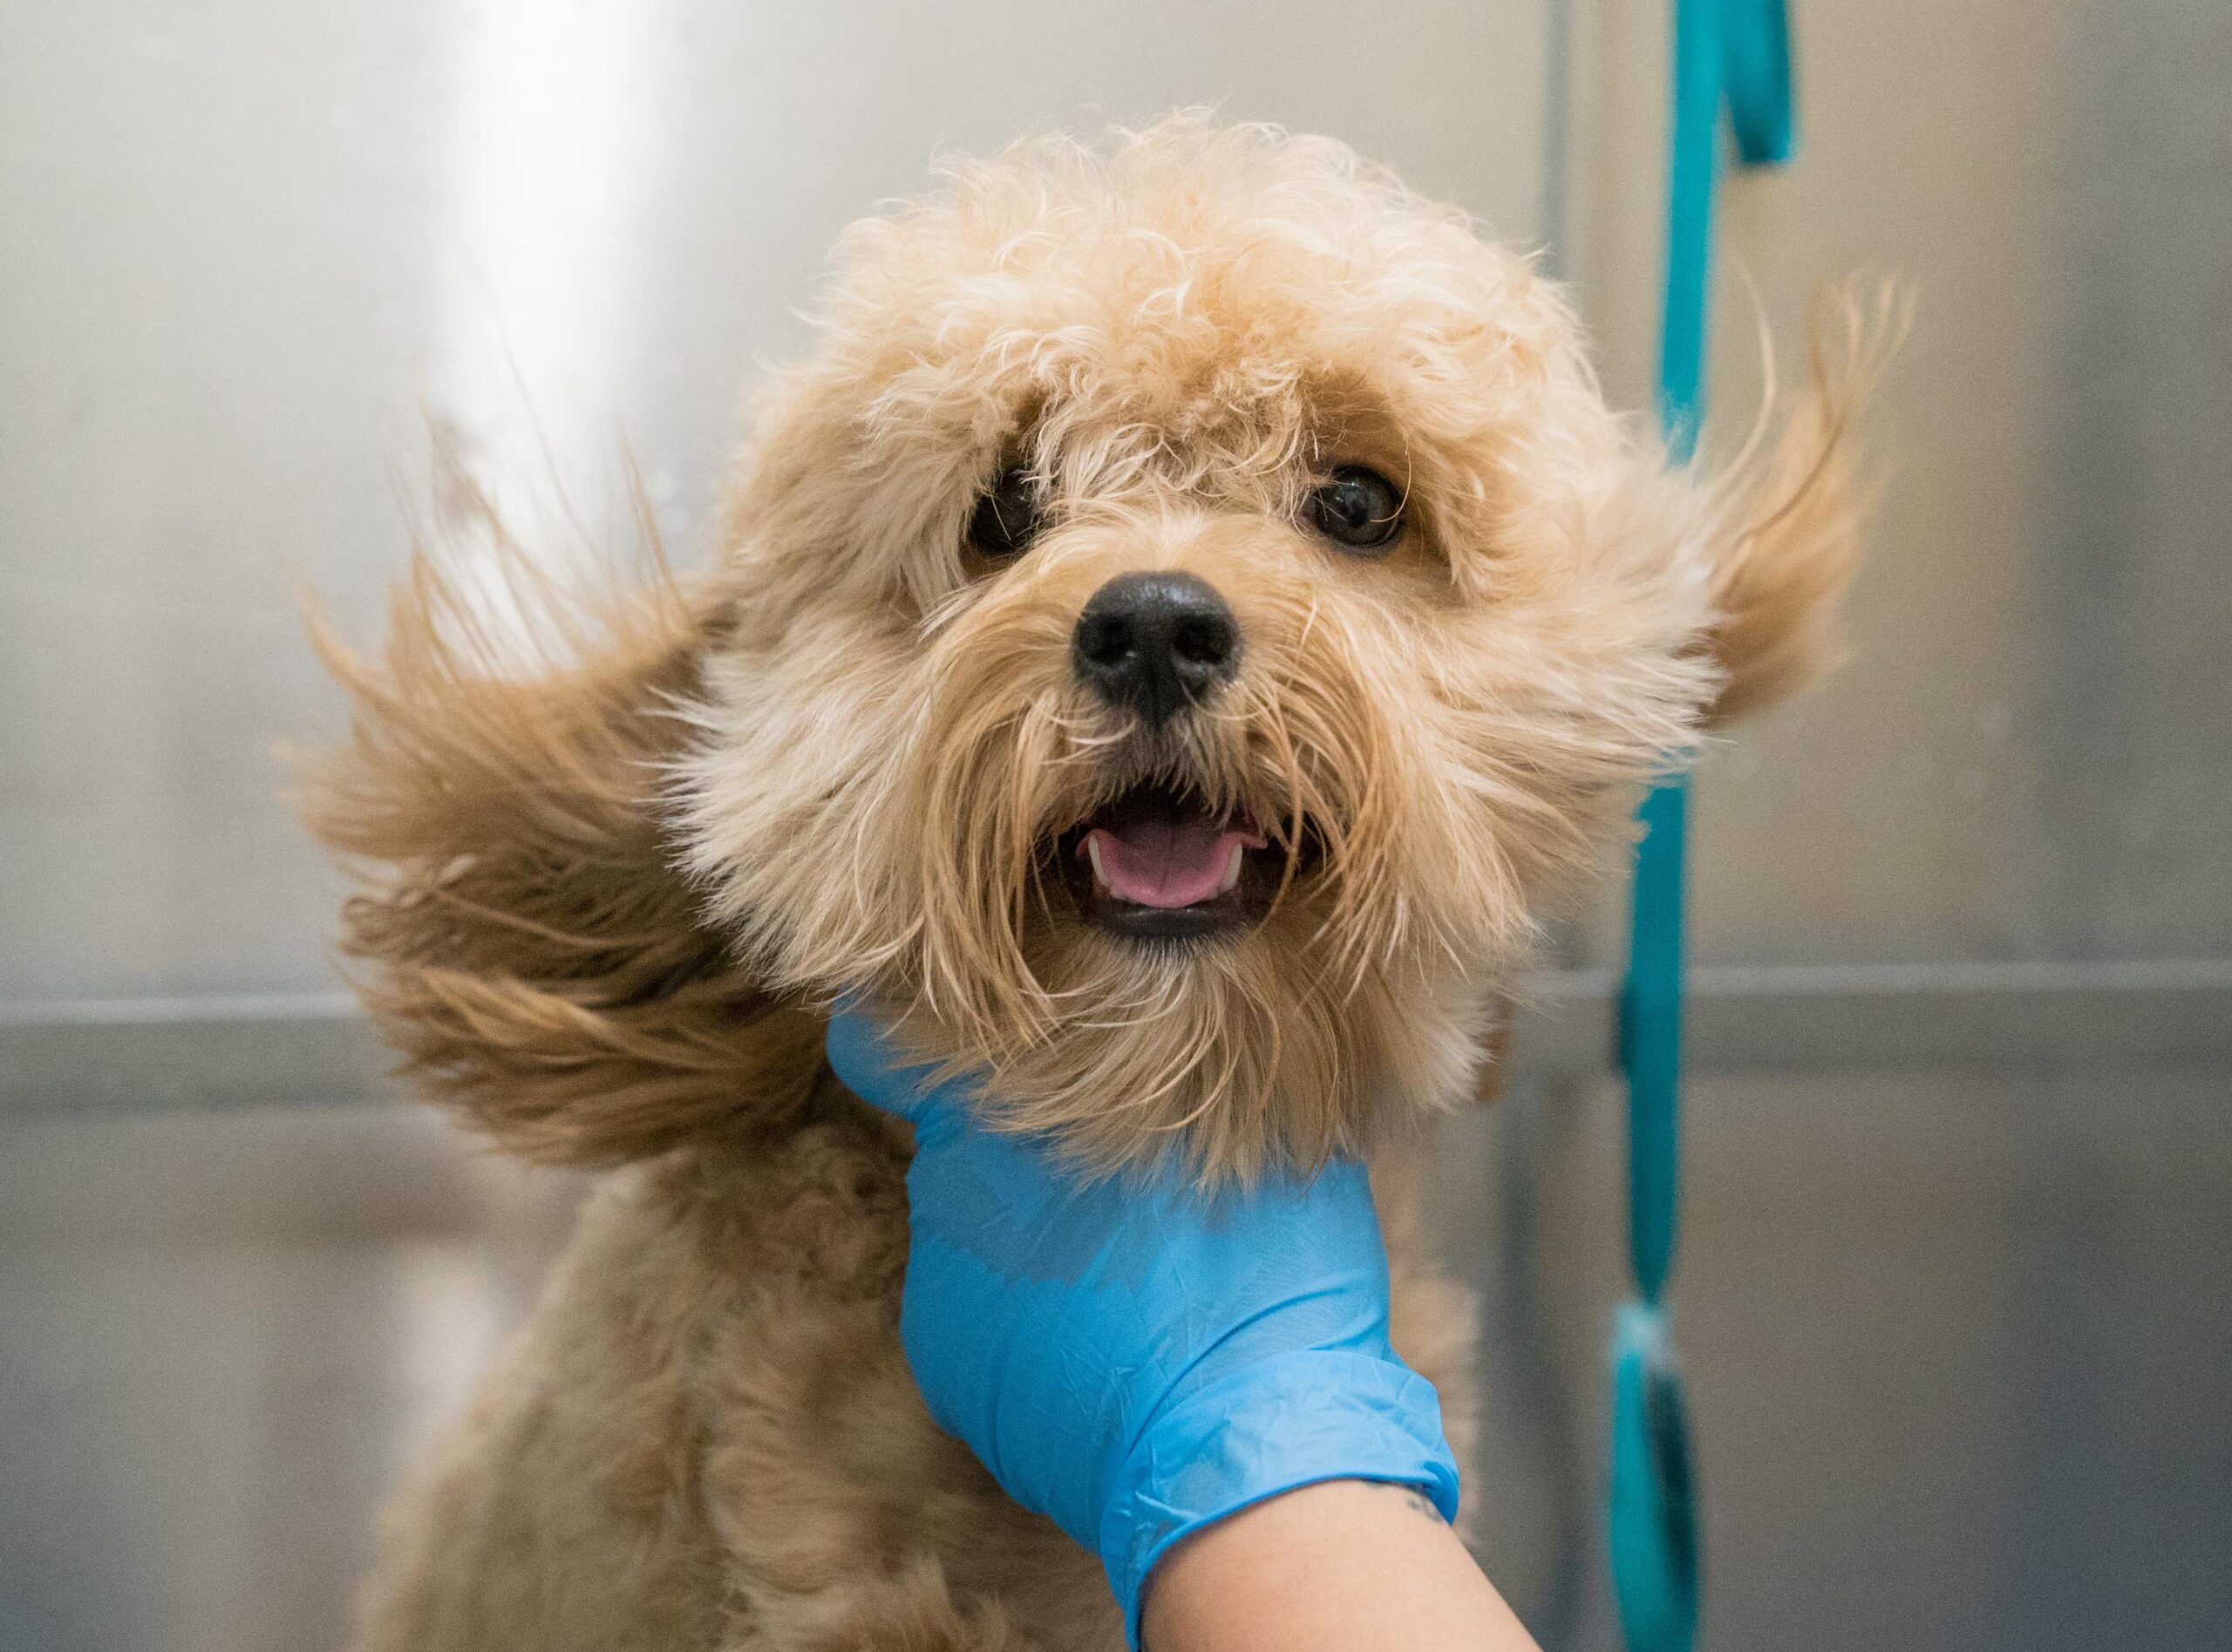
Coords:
1155,642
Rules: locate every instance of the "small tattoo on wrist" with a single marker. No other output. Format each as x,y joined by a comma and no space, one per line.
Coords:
1411,1495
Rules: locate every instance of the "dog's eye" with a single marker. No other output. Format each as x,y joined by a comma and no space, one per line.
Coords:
1358,509
1007,518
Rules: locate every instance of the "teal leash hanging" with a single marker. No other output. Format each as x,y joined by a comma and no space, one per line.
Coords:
1736,53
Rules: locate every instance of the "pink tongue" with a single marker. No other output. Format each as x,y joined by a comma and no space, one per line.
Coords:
1166,863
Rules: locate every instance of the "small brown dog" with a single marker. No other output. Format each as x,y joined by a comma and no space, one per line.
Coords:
1168,650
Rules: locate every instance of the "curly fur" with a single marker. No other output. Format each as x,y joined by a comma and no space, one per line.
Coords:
609,901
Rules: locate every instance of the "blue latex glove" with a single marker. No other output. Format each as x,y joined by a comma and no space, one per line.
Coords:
1132,1357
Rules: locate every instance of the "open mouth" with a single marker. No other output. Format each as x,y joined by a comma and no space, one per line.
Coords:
1156,864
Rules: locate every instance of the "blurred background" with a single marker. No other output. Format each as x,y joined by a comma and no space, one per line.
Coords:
1954,1290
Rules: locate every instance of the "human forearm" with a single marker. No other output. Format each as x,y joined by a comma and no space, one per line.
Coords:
1343,1565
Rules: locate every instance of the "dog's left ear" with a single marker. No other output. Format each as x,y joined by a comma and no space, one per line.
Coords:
1794,515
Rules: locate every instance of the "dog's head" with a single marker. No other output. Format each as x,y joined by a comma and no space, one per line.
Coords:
1172,644
1191,615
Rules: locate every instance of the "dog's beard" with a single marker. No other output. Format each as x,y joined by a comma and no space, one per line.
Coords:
1269,1040
889,815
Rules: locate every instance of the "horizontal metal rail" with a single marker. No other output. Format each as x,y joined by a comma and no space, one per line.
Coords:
144,1054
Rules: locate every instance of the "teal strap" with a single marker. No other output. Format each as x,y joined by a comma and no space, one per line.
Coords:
1650,1040
1736,51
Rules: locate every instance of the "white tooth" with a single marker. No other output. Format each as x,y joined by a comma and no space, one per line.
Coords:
1092,853
1232,869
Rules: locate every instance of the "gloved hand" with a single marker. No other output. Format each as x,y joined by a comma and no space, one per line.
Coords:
1132,1357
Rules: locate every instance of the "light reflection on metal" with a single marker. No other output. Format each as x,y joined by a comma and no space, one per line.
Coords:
550,172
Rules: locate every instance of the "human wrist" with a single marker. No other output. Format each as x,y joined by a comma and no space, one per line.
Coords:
1288,1421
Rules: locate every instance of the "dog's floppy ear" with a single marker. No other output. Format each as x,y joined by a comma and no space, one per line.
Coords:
521,935
1794,511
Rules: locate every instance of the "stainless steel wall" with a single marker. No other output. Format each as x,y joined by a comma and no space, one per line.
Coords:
2032,753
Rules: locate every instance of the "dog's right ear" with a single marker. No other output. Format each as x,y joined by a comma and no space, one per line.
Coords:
522,934
1793,512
